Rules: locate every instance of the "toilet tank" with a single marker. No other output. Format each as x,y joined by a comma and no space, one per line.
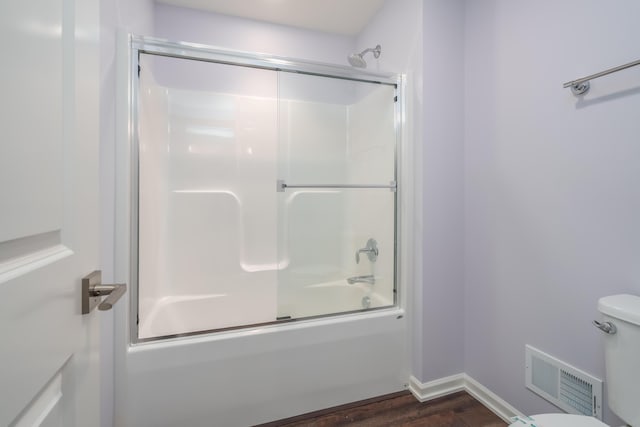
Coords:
622,355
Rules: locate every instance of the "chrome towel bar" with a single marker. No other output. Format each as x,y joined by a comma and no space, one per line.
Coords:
581,86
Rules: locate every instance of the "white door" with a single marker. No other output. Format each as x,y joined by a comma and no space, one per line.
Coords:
49,85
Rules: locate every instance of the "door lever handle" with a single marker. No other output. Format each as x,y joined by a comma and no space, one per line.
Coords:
113,293
93,290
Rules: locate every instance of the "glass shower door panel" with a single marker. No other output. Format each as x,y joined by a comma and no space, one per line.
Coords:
327,266
207,212
335,131
337,141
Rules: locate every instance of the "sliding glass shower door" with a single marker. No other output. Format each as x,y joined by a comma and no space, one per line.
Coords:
336,200
262,195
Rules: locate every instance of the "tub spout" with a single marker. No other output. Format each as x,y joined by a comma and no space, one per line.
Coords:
370,279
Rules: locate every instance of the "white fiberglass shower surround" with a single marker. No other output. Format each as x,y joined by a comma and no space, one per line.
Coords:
263,256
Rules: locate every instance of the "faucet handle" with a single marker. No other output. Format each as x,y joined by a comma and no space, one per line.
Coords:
371,249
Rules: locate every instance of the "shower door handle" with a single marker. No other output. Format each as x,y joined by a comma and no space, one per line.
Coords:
93,290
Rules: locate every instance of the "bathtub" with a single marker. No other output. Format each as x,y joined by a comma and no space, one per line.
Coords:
188,314
244,377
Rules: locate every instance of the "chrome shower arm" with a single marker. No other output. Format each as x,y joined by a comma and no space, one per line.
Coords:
376,51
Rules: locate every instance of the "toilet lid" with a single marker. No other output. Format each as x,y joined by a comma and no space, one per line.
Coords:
557,420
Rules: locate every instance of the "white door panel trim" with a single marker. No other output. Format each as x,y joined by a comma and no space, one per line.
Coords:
17,267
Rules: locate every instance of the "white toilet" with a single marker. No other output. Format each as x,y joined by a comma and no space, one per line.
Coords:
621,322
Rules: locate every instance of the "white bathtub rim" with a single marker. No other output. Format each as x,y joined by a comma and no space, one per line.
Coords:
216,336
148,331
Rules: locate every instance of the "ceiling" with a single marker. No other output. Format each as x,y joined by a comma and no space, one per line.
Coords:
346,17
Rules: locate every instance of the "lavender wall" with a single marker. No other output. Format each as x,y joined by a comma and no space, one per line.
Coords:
443,142
182,24
552,199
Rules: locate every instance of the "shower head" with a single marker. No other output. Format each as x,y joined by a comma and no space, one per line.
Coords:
357,60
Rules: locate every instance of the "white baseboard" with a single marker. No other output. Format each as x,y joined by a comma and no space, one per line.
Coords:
496,404
437,388
448,385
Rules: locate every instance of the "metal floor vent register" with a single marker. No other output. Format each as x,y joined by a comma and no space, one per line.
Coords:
563,385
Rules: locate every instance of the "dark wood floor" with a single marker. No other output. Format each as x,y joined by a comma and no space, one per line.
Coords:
401,410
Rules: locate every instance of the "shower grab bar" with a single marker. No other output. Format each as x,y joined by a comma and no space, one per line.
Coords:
581,86
281,186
